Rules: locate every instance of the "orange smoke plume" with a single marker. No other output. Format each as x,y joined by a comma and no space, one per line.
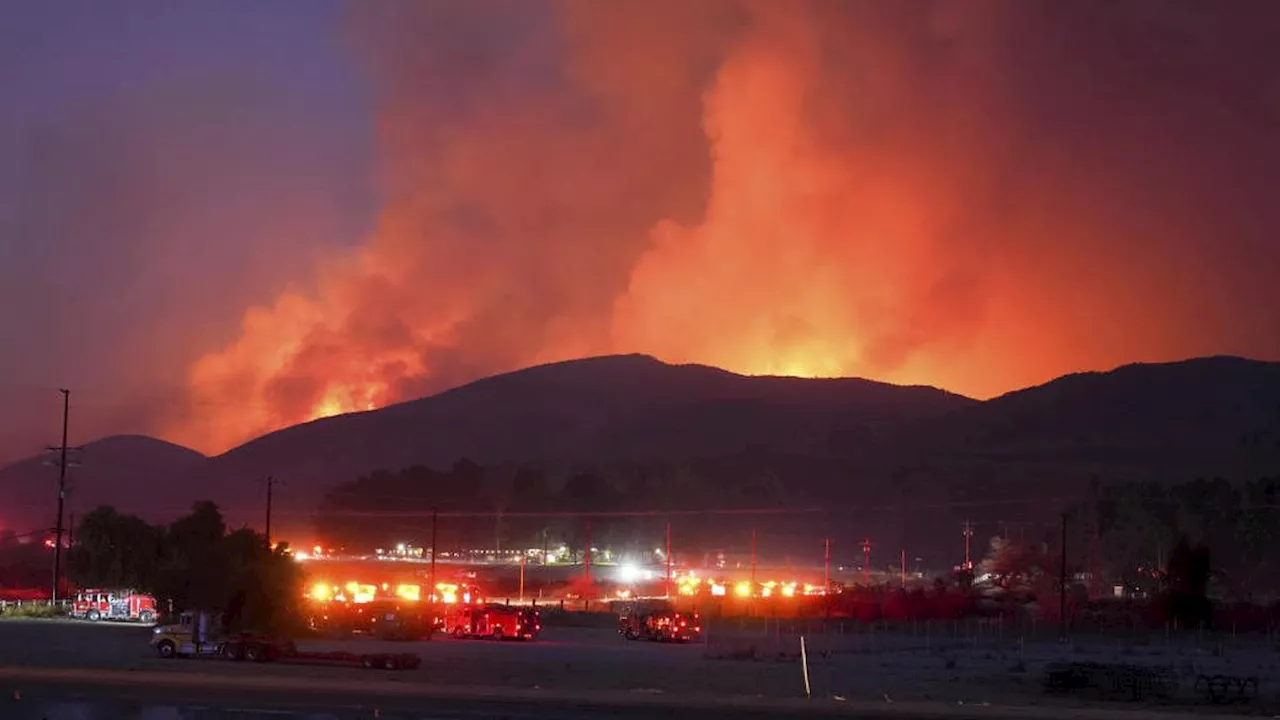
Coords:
803,188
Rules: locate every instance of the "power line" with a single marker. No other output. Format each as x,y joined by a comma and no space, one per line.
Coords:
968,535
657,513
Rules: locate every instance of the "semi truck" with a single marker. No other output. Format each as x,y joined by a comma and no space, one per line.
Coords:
204,635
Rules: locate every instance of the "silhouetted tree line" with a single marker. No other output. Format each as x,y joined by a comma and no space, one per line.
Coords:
1154,536
23,564
384,508
1179,549
192,563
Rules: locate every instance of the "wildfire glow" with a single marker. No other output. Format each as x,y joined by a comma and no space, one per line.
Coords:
837,214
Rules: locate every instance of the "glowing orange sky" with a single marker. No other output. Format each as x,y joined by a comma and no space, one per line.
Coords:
772,188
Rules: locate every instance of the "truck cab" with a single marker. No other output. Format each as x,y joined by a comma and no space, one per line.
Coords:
195,633
204,634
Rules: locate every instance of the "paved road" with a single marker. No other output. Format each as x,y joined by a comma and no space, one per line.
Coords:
45,694
82,671
566,658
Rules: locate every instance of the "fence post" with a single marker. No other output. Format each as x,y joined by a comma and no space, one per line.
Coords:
804,667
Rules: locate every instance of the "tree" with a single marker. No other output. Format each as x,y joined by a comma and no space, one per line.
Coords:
114,551
1133,532
264,585
1012,565
528,493
1189,571
193,572
1258,534
582,494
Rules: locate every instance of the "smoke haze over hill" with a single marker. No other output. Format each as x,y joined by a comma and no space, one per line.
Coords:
978,199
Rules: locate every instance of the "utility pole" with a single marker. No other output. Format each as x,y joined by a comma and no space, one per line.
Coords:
668,586
968,533
753,562
270,486
866,561
62,496
1095,560
522,559
1095,565
826,576
586,558
71,529
435,515
826,565
902,561
1062,584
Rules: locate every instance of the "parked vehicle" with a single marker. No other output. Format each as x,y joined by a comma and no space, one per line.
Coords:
660,625
204,635
498,622
391,620
121,605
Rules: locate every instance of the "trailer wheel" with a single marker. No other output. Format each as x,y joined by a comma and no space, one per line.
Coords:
367,661
255,652
93,616
391,663
166,649
631,634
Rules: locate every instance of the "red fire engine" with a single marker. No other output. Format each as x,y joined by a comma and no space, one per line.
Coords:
493,621
126,605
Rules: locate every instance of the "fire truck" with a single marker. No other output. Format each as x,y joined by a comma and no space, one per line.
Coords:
662,624
124,605
498,622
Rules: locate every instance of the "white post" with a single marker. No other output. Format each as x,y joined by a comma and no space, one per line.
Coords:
804,667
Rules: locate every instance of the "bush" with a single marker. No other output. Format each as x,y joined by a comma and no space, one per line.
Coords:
32,610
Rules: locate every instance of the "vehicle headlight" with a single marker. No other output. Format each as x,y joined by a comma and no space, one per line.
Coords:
156,630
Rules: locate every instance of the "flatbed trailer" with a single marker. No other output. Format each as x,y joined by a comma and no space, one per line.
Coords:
383,661
180,640
260,650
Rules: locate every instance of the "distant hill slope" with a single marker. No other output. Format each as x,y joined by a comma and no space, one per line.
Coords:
1182,414
592,411
908,461
134,472
1165,422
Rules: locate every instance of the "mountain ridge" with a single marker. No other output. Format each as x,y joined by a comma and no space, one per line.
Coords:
1203,415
